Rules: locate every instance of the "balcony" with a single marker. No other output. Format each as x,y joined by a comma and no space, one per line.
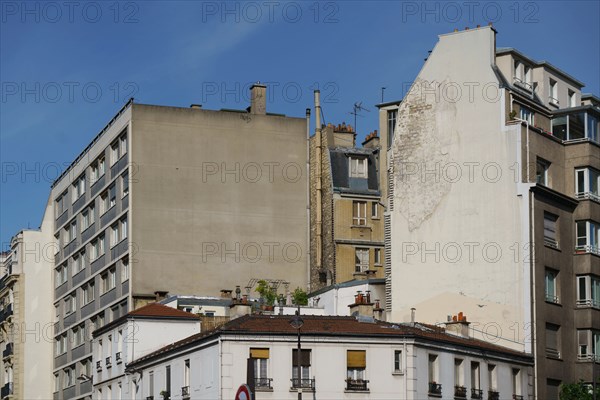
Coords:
8,351
308,384
588,358
588,196
98,366
553,100
552,299
517,397
185,392
118,358
360,385
435,389
6,390
149,397
263,383
522,84
493,395
460,392
585,303
108,362
587,249
477,394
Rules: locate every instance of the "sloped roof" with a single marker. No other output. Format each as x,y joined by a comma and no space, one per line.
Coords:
340,174
270,325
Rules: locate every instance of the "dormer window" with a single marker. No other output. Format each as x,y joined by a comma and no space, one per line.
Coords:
358,167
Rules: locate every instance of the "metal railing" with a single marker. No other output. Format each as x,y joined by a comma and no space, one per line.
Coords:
522,84
303,383
553,100
588,303
517,397
554,353
108,362
476,394
493,395
588,249
551,243
435,389
588,358
460,391
185,392
550,298
118,357
588,196
98,365
357,384
263,383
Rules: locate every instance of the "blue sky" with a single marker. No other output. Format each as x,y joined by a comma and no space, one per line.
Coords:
66,69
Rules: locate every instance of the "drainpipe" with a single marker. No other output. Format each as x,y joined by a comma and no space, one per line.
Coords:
319,200
308,253
533,286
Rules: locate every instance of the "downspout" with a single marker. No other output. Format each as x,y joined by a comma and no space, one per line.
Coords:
405,356
319,150
533,291
308,253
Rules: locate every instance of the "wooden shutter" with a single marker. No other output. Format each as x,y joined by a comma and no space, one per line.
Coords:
304,358
357,359
259,353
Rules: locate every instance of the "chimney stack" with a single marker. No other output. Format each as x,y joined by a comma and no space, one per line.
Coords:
258,99
362,306
457,325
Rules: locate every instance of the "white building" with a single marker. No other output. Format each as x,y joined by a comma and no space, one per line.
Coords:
341,358
26,314
128,338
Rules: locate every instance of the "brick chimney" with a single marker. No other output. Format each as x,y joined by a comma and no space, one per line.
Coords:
457,325
362,306
258,99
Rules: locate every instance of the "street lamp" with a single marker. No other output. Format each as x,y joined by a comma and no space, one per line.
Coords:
297,323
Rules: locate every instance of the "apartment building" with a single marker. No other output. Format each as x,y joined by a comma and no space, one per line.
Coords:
179,200
26,314
494,203
340,358
346,209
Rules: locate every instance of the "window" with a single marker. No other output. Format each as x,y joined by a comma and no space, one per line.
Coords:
550,286
358,167
168,378
355,371
260,359
114,153
572,99
391,126
69,377
527,115
587,182
374,210
518,71
73,231
552,340
516,381
398,361
433,375
587,237
115,235
588,345
493,377
86,367
56,382
125,269
119,344
104,205
550,230
108,280
123,144
186,375
97,170
61,274
78,188
377,253
87,218
301,379
476,381
588,291
70,304
361,257
97,248
541,171
60,205
112,194
151,383
553,99
78,336
593,127
79,262
125,183
87,293
460,390
527,76
123,228
61,344
359,213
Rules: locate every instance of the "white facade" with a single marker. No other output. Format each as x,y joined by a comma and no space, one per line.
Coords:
128,340
335,299
214,366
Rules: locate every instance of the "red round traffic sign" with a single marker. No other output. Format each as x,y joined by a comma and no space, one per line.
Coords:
243,393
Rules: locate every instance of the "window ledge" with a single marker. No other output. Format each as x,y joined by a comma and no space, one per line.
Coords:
356,391
401,372
263,389
361,226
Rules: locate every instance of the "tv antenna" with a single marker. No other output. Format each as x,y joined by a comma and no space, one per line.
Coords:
357,108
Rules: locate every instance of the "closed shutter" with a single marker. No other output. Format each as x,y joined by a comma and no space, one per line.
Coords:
304,358
357,359
550,227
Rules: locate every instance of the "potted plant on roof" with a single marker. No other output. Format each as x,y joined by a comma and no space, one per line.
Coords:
268,294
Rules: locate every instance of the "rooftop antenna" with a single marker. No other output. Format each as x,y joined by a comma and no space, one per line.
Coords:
355,111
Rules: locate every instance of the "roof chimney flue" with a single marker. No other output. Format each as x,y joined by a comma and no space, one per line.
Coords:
258,99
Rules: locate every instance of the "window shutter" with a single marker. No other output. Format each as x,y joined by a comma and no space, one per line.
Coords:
357,359
550,227
304,358
259,353
551,337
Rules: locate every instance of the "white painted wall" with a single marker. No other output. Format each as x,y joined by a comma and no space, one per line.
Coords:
336,300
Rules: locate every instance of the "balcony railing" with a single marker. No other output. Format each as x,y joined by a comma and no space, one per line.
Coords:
98,365
118,358
588,196
6,390
108,362
185,392
477,394
553,353
517,397
553,100
588,358
303,383
460,392
588,249
493,395
522,84
149,397
357,384
551,243
588,303
435,389
263,383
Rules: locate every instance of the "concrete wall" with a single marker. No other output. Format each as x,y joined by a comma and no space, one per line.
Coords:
218,198
453,227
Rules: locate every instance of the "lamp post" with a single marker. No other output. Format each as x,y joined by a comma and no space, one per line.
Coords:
297,323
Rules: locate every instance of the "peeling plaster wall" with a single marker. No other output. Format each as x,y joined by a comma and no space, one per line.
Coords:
456,201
